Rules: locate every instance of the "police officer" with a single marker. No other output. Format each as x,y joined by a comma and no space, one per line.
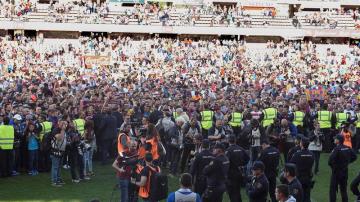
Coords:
258,188
238,160
270,156
295,149
304,161
292,181
201,160
216,175
354,187
339,159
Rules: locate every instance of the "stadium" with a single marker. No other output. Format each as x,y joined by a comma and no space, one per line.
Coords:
179,100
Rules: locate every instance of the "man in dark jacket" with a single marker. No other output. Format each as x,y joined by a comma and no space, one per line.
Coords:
108,128
339,160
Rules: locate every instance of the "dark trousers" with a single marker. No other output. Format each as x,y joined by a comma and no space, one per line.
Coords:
76,165
174,159
354,186
317,159
17,160
104,147
5,162
339,179
185,156
44,161
200,184
272,187
357,140
33,160
329,141
233,189
306,183
213,194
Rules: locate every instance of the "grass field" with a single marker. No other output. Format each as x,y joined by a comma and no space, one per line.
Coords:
37,188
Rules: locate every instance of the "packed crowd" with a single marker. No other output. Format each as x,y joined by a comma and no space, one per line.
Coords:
166,101
9,10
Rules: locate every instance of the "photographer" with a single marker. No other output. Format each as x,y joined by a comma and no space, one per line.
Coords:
191,130
58,144
217,132
256,134
316,140
175,145
76,149
124,165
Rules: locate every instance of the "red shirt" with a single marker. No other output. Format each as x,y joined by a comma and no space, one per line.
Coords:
127,173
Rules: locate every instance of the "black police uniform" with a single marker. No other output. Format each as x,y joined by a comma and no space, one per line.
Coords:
201,160
238,160
271,157
304,161
354,186
216,175
339,159
292,151
258,189
296,190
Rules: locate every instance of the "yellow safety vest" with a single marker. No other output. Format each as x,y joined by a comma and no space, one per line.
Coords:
340,117
298,118
324,119
206,119
175,115
236,119
46,128
358,120
269,115
6,137
80,126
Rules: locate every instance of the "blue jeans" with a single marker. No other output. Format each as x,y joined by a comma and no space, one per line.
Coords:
124,189
88,155
55,168
33,160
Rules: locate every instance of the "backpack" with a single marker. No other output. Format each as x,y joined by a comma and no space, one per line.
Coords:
158,185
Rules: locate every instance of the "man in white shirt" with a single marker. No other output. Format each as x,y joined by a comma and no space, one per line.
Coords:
184,193
282,194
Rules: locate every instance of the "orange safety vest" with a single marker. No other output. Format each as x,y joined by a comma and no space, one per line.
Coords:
144,191
154,148
347,139
141,152
120,147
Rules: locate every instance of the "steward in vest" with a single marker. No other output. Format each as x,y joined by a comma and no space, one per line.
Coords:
341,118
327,123
298,118
324,119
123,140
357,123
45,129
145,176
236,119
80,125
270,114
6,147
206,119
151,142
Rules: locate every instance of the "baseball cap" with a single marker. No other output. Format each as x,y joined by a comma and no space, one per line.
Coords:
17,117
